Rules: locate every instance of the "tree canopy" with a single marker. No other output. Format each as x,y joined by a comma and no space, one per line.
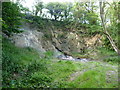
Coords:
11,17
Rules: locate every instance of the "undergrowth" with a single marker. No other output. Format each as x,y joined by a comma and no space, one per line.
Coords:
23,68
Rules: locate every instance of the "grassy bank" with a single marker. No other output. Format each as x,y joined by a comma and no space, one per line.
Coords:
22,67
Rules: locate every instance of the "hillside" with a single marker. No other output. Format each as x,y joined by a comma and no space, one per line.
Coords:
59,44
22,67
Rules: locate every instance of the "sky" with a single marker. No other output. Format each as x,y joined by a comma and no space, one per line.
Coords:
29,3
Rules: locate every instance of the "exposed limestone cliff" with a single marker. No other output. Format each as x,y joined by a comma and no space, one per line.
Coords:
53,40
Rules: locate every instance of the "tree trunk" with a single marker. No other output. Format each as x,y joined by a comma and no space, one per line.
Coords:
36,12
102,15
112,42
55,17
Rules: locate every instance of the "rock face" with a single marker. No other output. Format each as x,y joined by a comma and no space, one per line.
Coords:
29,39
69,42
64,41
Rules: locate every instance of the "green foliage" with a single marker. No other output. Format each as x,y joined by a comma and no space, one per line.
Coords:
91,77
37,21
23,9
114,59
38,7
111,21
49,54
85,18
58,10
11,17
18,61
92,17
22,68
105,53
39,80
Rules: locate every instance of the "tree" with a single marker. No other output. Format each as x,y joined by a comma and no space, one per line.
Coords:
11,17
55,9
24,9
103,19
67,7
112,16
85,17
38,7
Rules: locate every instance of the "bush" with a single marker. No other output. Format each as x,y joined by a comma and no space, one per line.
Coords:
19,62
36,65
114,59
11,17
39,79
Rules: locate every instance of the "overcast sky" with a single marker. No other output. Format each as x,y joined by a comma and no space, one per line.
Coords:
29,3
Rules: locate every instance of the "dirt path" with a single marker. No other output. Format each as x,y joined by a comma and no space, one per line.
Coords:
111,74
78,73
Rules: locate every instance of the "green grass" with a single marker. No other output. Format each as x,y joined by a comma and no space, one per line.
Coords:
108,55
100,54
22,67
92,77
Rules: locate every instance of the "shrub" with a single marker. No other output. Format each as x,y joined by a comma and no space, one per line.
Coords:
114,59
